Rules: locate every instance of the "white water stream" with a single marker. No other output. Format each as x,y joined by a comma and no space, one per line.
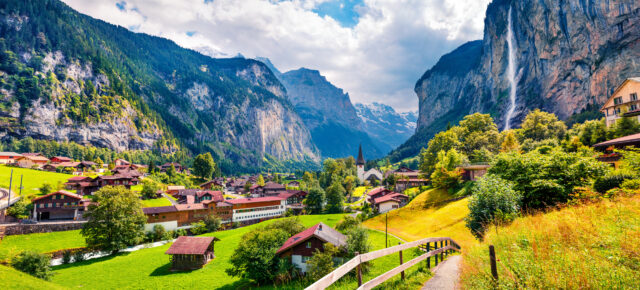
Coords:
511,73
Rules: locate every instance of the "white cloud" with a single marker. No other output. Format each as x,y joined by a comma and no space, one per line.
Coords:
378,60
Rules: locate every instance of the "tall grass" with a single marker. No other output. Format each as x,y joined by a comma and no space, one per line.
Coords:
594,246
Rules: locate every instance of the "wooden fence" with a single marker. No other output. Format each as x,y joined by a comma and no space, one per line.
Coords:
437,251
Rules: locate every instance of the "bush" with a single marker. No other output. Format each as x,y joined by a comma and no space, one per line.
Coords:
78,256
321,263
610,181
493,201
33,263
347,223
181,232
255,257
158,233
66,257
291,226
633,184
198,228
212,223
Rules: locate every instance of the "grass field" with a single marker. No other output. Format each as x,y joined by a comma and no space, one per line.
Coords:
359,191
32,179
162,201
420,219
149,268
42,243
594,246
14,279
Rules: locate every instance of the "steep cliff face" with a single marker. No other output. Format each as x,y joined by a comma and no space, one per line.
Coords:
569,53
83,80
383,123
329,114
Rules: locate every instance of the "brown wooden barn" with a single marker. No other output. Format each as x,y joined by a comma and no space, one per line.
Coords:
191,253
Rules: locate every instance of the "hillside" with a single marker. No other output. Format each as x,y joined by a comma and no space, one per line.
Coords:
14,279
593,246
69,77
569,56
426,216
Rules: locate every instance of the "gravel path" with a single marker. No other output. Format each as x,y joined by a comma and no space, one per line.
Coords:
446,275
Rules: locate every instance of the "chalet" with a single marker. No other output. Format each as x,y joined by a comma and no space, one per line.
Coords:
607,148
87,187
191,253
293,199
86,166
74,182
60,159
188,196
60,205
176,165
9,157
119,162
474,171
127,170
33,154
256,190
389,202
174,189
293,184
253,210
623,102
272,188
54,167
301,247
182,215
211,184
377,193
29,161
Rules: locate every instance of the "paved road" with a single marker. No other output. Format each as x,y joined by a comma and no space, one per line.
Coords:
446,275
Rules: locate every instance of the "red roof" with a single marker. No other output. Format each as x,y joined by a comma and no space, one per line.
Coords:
634,138
321,231
388,197
290,193
159,209
64,192
78,178
190,245
377,190
256,199
62,158
193,206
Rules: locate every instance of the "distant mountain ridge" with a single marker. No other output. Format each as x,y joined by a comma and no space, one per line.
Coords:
328,113
383,123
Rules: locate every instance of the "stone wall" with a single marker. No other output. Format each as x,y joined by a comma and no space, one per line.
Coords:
19,229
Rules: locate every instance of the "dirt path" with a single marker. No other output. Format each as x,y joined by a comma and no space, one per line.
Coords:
446,275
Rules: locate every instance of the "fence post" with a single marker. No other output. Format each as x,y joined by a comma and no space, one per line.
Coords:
429,258
441,253
435,247
359,271
492,258
401,273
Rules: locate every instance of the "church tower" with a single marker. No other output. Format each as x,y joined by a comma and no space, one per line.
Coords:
360,165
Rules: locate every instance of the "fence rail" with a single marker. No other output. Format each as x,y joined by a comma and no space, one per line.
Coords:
446,245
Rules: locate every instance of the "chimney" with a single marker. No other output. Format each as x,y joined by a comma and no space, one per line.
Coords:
320,227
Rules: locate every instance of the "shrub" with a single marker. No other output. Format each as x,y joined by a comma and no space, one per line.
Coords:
347,223
78,256
633,184
181,232
66,257
158,233
212,223
291,226
321,263
33,263
255,257
198,228
493,201
610,181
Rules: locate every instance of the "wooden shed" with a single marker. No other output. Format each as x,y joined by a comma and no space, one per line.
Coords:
191,253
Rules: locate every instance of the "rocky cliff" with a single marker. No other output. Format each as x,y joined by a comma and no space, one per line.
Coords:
569,53
383,123
84,80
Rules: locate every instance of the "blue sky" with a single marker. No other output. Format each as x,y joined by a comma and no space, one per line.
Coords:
374,49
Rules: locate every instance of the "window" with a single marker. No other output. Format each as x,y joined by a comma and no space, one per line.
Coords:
633,107
308,245
617,101
617,110
305,259
634,96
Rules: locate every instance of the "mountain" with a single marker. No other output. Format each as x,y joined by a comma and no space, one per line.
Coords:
383,123
569,56
328,113
67,76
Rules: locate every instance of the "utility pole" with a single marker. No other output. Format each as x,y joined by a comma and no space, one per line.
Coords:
10,181
21,184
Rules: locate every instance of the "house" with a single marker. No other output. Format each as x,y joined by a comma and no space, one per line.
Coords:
176,165
253,210
119,162
256,190
60,159
301,247
389,202
60,205
474,171
293,184
87,187
9,157
174,189
293,199
404,183
33,154
54,167
211,184
623,102
75,182
607,147
272,188
190,253
188,196
183,215
29,161
377,193
86,166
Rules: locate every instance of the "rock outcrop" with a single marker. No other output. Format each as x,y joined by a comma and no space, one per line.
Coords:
386,125
570,53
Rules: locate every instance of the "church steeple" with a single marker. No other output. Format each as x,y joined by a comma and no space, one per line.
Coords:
360,160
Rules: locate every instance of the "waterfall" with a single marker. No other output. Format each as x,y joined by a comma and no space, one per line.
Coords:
511,73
